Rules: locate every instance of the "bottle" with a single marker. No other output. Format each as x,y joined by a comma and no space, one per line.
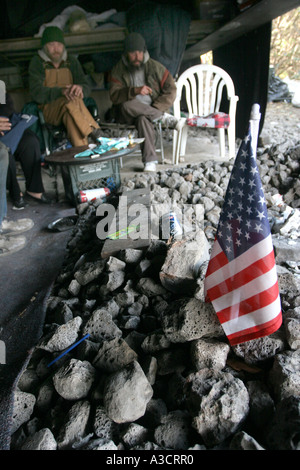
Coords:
93,194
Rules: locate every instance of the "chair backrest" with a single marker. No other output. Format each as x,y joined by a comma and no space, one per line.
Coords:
202,87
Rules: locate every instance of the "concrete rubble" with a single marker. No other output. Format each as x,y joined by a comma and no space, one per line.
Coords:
156,371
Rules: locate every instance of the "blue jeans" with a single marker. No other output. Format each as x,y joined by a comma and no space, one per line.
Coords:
3,177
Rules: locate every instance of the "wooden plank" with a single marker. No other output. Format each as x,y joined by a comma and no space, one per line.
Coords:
257,15
124,219
106,40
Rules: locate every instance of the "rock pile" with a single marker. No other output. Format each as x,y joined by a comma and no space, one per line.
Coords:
155,370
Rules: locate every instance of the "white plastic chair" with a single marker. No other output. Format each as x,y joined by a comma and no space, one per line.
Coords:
203,85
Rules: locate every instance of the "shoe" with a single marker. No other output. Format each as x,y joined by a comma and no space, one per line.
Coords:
150,166
19,204
10,245
170,121
18,226
44,199
94,136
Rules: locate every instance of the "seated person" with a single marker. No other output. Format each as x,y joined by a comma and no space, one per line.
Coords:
142,90
10,238
29,155
58,84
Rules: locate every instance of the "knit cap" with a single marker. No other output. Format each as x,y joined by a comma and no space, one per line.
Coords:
52,33
134,42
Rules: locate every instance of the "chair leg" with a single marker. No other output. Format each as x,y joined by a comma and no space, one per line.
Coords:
175,144
45,133
158,130
161,142
177,148
231,141
183,140
221,133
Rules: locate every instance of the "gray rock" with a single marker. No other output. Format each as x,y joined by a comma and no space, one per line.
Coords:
22,409
44,397
174,431
114,355
74,379
134,435
219,402
189,319
63,337
115,264
89,271
131,255
149,287
28,381
126,394
285,375
114,280
155,342
75,425
124,299
292,328
208,353
74,287
101,444
242,441
111,307
183,261
149,366
41,440
101,326
261,349
103,426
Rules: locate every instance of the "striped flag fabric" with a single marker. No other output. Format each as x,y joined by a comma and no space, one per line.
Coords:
241,279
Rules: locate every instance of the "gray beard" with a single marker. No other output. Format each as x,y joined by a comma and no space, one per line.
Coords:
135,68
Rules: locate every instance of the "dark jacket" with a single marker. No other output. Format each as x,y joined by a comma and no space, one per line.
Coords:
157,77
42,94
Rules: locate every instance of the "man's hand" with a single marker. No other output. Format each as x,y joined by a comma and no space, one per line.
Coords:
5,125
72,91
143,90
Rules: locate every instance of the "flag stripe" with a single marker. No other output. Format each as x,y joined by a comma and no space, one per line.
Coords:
250,304
248,276
254,332
243,293
254,253
218,259
253,319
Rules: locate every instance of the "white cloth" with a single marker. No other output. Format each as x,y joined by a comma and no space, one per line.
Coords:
93,19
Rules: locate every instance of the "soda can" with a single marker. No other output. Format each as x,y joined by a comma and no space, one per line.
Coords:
93,194
170,226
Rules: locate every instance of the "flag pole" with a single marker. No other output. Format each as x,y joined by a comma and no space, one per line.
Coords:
254,126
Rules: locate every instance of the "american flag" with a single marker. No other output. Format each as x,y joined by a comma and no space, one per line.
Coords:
241,279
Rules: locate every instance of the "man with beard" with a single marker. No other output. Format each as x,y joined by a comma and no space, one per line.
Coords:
58,84
142,90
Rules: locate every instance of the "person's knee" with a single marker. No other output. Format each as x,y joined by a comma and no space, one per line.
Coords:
4,158
126,106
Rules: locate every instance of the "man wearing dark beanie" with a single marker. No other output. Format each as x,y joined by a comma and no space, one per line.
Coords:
142,90
58,84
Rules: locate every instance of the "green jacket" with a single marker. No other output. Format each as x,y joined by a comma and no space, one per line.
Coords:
36,71
157,77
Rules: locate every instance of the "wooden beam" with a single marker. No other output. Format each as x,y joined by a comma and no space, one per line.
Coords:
250,19
106,40
97,41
